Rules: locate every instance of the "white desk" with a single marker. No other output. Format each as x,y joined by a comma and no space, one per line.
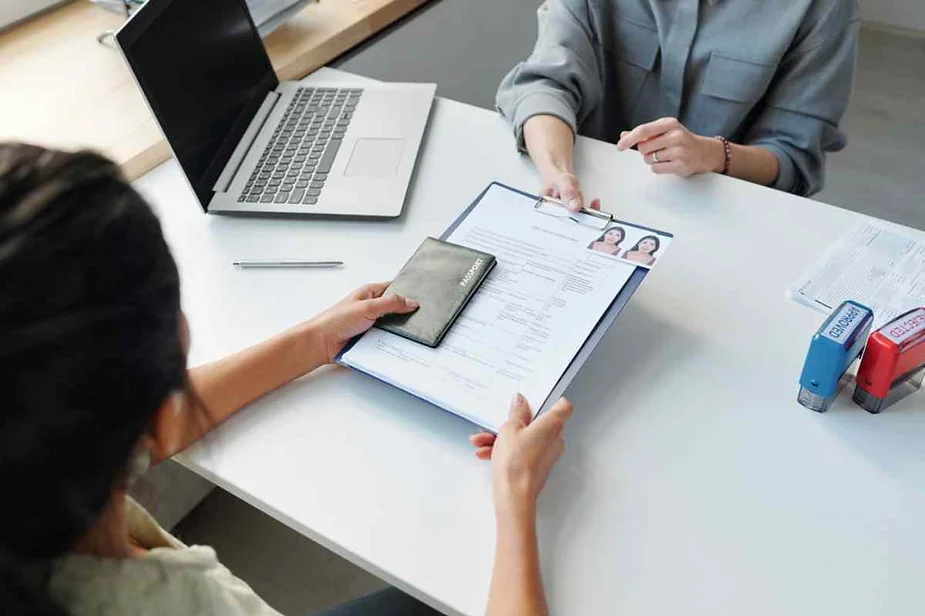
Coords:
693,483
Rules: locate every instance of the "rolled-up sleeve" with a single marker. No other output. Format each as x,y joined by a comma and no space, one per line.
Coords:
561,77
799,120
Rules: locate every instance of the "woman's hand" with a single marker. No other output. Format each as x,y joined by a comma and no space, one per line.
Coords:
565,187
668,147
355,314
523,454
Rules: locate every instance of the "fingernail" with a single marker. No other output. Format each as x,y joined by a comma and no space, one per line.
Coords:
412,303
518,399
573,204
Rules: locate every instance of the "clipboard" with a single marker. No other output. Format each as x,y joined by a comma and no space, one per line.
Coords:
603,219
597,333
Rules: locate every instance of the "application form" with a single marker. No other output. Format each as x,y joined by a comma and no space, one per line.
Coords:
875,264
527,321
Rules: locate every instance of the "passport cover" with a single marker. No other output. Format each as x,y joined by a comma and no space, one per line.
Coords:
442,277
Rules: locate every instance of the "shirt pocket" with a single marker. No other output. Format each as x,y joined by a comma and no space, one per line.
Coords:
635,47
732,79
635,43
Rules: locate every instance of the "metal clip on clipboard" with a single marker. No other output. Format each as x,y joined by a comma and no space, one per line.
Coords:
605,217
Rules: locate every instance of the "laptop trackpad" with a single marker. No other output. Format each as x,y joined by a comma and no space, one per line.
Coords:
376,159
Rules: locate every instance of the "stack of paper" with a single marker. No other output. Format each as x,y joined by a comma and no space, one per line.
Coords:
876,264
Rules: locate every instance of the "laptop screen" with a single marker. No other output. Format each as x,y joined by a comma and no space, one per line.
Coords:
204,70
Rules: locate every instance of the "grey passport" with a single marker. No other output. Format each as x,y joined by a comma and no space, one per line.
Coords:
442,277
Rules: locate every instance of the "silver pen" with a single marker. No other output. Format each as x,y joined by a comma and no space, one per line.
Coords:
293,264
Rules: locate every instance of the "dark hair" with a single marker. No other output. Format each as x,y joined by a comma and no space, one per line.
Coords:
648,237
614,228
89,350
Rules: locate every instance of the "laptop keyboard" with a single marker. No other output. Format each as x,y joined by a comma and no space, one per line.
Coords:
295,164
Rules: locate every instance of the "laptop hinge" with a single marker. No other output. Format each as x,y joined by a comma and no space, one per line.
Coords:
247,140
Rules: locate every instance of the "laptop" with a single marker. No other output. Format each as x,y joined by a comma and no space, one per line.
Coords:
250,144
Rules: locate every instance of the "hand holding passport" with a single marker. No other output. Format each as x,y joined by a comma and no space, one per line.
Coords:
442,277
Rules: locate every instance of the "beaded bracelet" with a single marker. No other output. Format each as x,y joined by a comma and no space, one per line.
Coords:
727,150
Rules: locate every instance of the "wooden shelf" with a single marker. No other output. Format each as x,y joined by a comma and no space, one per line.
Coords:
60,88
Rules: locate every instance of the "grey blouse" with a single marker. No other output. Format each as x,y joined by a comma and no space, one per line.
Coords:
760,72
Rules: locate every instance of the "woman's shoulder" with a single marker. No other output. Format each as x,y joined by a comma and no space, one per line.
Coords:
827,17
163,581
839,9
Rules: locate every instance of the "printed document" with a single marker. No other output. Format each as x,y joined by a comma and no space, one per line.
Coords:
874,264
555,278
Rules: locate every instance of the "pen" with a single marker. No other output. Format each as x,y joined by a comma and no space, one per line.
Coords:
294,264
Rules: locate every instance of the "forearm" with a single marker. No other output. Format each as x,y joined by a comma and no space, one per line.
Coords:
225,386
516,585
753,163
550,143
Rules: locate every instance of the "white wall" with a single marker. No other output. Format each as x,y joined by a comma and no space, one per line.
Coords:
14,10
907,14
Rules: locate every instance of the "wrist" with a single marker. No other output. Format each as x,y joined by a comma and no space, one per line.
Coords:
725,155
513,503
313,344
551,169
715,159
